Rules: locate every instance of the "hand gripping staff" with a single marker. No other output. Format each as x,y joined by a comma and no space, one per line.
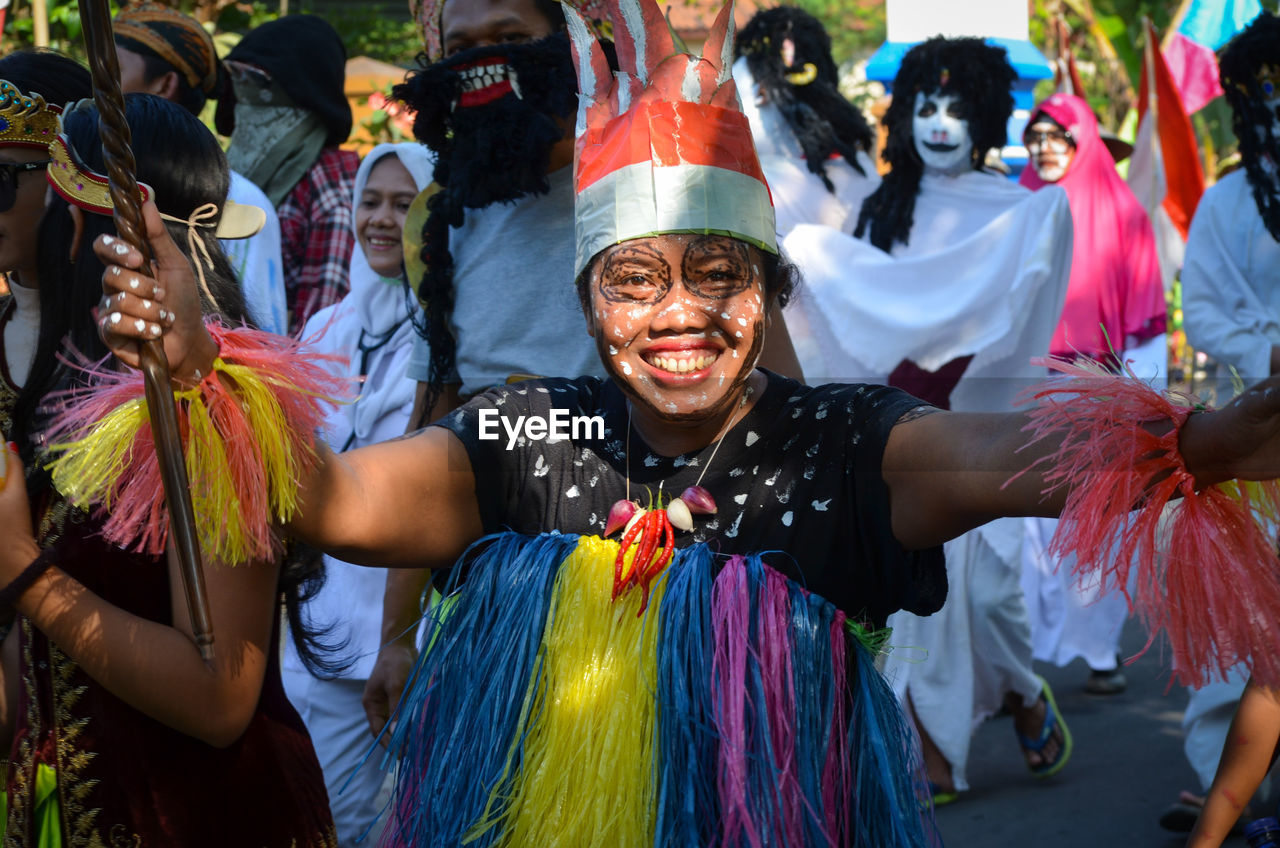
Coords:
126,200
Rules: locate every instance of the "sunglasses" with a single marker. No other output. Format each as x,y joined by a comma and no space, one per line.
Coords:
9,180
1042,137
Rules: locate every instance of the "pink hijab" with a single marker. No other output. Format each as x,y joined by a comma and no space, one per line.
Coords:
1115,276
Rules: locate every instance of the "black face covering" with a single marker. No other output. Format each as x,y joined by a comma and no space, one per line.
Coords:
492,115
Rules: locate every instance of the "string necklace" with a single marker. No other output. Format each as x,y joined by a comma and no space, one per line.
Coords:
651,532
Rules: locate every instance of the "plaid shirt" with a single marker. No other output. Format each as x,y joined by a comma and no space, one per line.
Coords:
316,235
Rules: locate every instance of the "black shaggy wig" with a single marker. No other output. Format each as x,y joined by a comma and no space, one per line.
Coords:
823,121
1241,60
469,180
967,68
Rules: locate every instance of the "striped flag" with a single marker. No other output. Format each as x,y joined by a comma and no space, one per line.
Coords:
1165,171
1206,25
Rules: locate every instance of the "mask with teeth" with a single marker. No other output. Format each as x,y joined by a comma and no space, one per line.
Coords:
492,115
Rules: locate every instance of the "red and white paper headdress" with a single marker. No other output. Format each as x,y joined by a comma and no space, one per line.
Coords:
663,146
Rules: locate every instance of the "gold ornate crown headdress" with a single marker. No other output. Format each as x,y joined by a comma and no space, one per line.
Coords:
26,120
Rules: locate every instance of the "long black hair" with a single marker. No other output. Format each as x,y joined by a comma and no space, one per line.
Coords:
57,78
967,68
823,121
182,162
1241,60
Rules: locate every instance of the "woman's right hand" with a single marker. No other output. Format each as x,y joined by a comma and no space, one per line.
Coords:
137,308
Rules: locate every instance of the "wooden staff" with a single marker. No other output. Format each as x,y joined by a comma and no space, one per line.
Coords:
126,200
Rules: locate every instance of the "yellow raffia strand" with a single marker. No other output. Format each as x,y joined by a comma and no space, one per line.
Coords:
213,490
90,467
89,470
589,757
273,435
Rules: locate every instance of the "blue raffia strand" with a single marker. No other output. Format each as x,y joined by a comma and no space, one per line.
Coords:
471,694
815,694
890,794
688,808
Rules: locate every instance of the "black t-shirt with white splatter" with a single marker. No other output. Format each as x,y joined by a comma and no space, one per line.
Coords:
799,475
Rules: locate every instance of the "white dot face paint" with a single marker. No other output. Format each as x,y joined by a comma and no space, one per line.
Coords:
941,133
1050,149
679,321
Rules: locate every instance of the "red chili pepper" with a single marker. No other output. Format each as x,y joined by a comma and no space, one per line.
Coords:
668,547
648,542
669,543
622,553
668,553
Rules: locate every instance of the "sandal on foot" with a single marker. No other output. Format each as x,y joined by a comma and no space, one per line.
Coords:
1105,682
942,797
1053,722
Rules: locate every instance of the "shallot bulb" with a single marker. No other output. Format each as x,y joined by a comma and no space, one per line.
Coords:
698,500
620,515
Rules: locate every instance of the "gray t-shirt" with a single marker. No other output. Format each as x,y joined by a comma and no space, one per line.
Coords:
515,309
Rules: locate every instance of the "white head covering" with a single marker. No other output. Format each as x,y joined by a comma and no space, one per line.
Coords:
374,316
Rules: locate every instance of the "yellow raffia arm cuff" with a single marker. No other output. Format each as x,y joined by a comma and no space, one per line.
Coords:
249,432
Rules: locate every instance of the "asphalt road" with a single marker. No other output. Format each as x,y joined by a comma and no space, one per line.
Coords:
1127,768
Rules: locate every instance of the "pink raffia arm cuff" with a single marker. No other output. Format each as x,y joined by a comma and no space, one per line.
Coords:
249,431
1207,574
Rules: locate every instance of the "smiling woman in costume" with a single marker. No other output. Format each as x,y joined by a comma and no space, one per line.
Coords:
677,693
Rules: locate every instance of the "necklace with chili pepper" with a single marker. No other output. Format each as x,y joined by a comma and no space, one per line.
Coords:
651,531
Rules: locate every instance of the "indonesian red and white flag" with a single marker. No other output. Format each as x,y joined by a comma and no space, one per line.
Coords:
1165,171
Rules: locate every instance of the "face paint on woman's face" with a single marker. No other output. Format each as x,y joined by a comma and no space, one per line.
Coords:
679,321
940,129
1050,149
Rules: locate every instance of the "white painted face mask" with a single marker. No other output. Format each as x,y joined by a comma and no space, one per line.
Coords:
1050,150
942,139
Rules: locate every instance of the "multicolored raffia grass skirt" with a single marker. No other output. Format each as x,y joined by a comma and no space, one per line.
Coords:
739,709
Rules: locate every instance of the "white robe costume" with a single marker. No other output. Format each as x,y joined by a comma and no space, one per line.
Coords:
984,274
799,195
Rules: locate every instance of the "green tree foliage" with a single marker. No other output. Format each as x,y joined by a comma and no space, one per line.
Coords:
364,31
857,27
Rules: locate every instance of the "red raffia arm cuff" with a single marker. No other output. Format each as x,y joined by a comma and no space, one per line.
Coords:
1207,572
249,433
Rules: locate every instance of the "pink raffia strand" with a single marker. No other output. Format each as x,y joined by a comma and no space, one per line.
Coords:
1215,589
837,777
134,510
730,617
773,635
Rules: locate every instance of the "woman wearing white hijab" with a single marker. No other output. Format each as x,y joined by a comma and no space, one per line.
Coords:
370,331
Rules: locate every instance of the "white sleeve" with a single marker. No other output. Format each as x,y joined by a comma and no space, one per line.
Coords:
258,262
1222,314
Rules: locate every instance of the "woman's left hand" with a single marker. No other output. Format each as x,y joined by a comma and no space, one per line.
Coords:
136,307
18,546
